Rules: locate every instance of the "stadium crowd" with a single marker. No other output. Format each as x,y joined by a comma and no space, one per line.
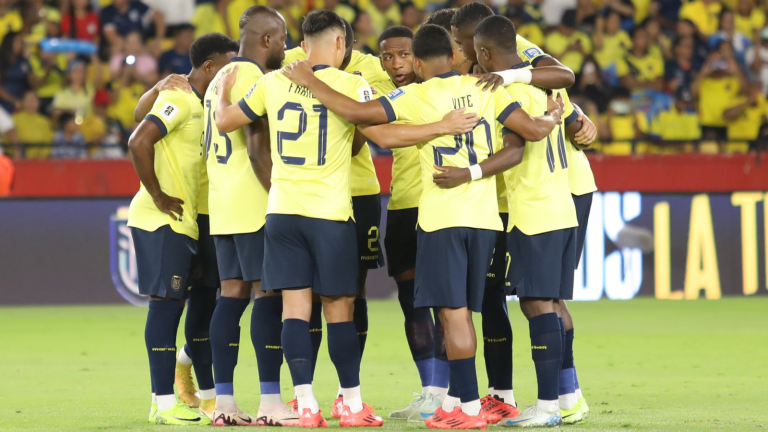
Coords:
693,74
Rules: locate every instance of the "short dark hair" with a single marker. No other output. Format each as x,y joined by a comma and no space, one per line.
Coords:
396,32
65,118
320,20
471,13
209,45
432,41
442,18
499,30
255,10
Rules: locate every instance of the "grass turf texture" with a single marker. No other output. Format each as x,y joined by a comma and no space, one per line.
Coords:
643,364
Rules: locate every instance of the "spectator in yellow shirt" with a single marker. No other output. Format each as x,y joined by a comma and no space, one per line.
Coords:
703,13
719,82
567,44
622,125
745,118
125,93
678,125
51,68
10,19
412,16
642,68
529,30
363,32
77,96
611,44
749,19
33,128
384,14
657,40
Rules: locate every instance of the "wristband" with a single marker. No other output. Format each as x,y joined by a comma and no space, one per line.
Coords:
512,76
475,172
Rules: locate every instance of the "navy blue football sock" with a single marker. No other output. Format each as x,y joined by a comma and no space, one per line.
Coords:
225,341
344,349
440,376
315,331
575,378
297,347
266,335
567,382
568,350
160,338
360,318
419,331
200,307
497,340
546,350
464,378
562,338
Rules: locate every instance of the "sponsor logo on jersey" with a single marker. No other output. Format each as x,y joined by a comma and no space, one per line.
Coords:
394,94
250,92
122,259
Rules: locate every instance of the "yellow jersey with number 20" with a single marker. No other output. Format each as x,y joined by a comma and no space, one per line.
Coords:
237,201
311,146
474,204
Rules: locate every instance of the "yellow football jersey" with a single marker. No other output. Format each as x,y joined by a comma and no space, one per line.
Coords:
311,146
405,187
716,96
178,162
473,204
528,51
580,177
538,188
364,180
237,202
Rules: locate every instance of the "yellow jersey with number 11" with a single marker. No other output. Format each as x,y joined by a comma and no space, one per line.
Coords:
237,201
311,146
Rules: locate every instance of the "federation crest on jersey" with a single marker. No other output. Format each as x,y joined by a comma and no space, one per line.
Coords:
532,52
394,94
122,259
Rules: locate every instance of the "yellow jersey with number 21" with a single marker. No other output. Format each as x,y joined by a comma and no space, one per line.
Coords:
311,146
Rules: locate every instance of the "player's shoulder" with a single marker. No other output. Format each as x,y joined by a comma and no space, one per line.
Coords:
383,88
294,54
169,103
527,48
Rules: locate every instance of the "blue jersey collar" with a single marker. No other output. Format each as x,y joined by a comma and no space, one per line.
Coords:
447,74
521,65
197,93
316,68
247,60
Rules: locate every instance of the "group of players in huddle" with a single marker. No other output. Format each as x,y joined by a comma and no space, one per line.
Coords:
257,179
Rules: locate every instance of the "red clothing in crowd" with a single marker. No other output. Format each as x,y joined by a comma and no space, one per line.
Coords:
86,28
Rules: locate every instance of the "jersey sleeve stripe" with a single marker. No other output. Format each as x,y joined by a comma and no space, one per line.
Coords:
159,123
247,110
507,111
535,61
571,117
505,131
388,109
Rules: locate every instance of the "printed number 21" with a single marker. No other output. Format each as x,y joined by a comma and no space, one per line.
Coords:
322,136
208,138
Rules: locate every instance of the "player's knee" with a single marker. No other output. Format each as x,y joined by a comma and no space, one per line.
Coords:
406,275
338,308
235,288
533,307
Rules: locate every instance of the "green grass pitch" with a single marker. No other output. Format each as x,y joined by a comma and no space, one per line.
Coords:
643,365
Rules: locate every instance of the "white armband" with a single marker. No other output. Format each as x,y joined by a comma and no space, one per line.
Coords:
476,172
511,76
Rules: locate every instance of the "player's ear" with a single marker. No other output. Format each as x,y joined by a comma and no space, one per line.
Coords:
304,46
208,66
267,40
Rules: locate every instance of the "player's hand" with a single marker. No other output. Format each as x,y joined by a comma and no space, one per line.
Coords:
450,177
588,132
491,81
555,106
169,205
458,122
227,79
173,82
299,72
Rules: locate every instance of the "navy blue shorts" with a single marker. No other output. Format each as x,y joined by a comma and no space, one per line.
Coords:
497,271
583,205
240,256
163,259
542,265
303,252
367,211
451,266
205,268
400,241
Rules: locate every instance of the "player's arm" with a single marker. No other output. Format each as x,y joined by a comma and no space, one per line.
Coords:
229,117
171,82
142,149
506,158
587,132
548,73
259,151
456,122
535,129
368,113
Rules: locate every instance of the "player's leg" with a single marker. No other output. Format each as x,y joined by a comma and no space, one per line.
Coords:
316,328
164,259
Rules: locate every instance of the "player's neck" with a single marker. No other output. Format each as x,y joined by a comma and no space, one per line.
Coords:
252,53
435,67
198,80
502,62
317,57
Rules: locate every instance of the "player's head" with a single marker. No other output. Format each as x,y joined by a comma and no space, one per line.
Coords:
396,48
262,31
211,52
443,18
349,36
463,26
325,31
431,45
494,38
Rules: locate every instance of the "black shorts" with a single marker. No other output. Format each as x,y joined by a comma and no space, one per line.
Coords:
303,252
583,205
451,266
240,256
163,260
205,268
367,211
542,265
497,271
400,241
